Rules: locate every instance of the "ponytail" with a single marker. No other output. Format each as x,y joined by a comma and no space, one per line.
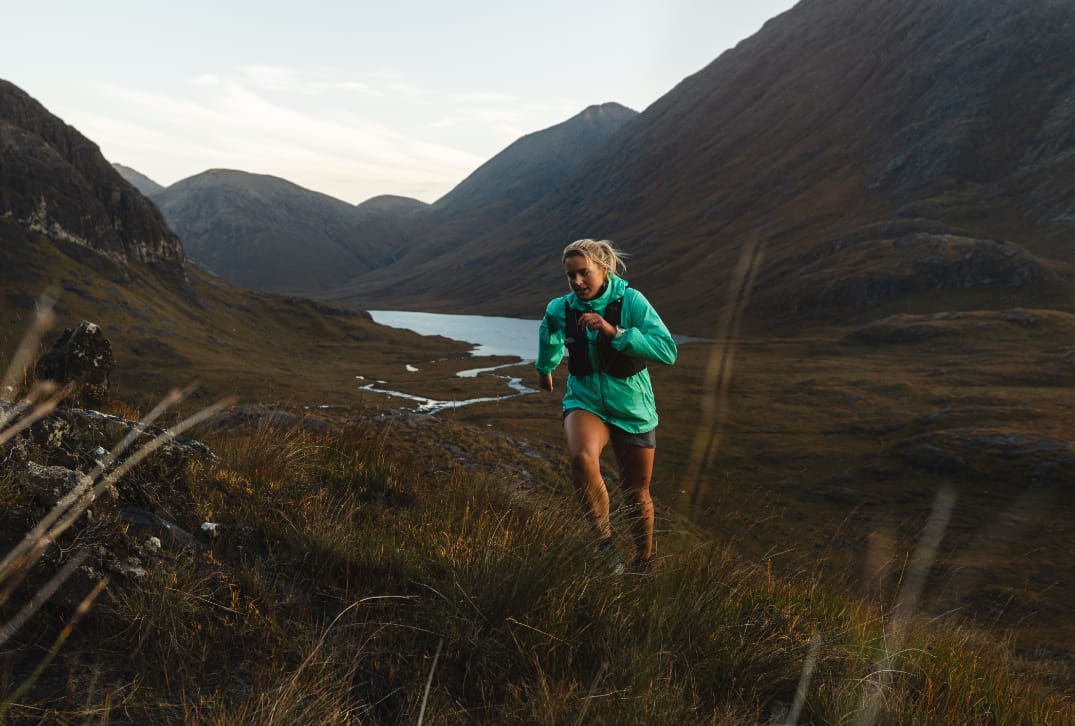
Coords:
600,252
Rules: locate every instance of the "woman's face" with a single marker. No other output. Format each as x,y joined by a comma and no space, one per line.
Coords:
585,277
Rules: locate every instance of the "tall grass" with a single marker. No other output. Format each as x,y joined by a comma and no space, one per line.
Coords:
344,581
351,583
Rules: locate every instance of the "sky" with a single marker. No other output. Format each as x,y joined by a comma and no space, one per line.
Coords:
351,99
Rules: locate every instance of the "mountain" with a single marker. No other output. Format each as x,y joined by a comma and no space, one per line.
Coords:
885,154
268,233
55,182
264,232
390,204
533,166
72,227
138,180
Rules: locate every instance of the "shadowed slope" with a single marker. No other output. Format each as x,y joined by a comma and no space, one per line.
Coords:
839,123
55,181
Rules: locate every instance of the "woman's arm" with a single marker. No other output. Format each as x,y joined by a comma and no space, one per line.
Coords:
550,339
646,336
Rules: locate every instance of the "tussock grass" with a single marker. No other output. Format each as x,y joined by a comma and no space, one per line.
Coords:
350,583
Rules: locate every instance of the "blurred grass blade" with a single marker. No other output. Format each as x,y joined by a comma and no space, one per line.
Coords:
80,612
429,683
718,374
43,321
43,594
38,410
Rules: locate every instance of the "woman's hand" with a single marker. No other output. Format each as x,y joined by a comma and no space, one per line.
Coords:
593,321
545,381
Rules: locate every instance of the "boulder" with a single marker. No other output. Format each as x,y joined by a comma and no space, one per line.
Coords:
52,485
81,356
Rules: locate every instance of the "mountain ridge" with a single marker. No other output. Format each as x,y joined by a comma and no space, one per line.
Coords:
318,244
874,152
262,231
834,120
138,180
55,181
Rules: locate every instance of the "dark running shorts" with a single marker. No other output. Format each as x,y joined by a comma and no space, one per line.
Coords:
646,440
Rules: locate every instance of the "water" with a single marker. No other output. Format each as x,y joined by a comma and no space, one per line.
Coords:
489,335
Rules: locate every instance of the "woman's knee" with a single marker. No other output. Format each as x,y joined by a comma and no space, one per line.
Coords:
586,462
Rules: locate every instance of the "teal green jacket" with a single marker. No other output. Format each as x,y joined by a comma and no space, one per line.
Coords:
624,402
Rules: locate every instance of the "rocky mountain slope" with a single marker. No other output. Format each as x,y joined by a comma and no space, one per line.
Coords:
881,156
533,166
270,234
138,180
72,227
881,152
264,232
55,182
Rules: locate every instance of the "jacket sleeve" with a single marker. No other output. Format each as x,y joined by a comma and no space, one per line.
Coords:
551,337
645,334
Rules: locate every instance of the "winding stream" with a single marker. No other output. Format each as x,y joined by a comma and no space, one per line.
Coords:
491,336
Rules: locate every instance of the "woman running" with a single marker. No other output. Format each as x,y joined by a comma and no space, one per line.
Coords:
610,332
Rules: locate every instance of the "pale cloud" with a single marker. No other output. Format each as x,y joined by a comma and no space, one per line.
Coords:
270,77
480,97
372,100
130,136
443,123
349,135
255,119
508,131
318,87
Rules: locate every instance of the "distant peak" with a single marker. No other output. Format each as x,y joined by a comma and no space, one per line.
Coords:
387,202
609,107
607,111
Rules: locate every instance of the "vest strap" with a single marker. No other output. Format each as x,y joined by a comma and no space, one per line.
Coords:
613,362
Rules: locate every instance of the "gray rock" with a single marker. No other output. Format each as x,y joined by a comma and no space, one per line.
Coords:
81,356
145,524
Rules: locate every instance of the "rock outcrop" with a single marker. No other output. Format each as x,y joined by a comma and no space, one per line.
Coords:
985,454
866,269
55,182
80,356
120,525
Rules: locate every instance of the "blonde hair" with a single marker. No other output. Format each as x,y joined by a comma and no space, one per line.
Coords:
600,252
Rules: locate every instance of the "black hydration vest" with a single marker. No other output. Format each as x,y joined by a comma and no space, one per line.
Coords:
613,362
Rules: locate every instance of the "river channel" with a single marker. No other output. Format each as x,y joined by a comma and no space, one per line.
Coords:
490,336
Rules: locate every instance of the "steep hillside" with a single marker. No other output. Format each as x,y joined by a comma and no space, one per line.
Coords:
54,181
138,180
270,234
264,232
870,146
71,225
533,166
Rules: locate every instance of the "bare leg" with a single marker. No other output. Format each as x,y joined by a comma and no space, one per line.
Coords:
587,436
636,470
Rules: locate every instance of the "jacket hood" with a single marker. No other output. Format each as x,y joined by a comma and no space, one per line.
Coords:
613,290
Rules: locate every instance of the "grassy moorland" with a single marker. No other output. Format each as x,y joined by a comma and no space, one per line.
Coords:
830,447
355,582
373,568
